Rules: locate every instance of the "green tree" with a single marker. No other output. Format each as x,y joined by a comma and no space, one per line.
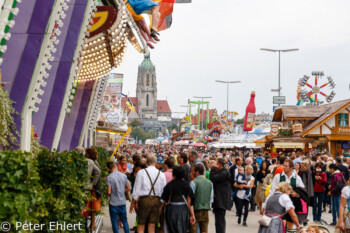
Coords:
240,121
171,127
135,123
137,132
140,134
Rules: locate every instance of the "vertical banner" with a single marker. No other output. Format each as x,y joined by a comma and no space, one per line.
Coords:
111,113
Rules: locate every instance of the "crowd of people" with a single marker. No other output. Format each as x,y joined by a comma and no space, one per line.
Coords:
174,188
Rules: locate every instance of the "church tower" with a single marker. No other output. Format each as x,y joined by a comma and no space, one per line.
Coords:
146,90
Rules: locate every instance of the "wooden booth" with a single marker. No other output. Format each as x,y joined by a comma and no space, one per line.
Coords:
323,127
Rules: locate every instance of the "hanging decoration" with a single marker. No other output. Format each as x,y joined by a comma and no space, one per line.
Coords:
315,94
9,10
8,131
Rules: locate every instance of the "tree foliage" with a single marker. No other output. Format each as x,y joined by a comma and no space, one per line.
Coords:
172,127
135,123
22,197
65,175
240,121
49,187
8,131
140,134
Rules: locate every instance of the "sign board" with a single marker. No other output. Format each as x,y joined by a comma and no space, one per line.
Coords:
274,129
341,130
279,100
110,111
297,128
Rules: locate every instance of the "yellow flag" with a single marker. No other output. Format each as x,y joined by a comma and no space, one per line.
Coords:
130,106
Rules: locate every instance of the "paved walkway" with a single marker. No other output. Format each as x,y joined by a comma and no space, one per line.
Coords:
231,222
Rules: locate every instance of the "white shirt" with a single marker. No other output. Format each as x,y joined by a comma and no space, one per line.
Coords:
142,186
284,201
276,181
345,192
241,192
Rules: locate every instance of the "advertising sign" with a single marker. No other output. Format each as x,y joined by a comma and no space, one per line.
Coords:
279,100
111,111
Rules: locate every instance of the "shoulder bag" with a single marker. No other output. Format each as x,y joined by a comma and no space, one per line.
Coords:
266,220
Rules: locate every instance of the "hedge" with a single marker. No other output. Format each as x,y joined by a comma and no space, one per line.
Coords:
48,187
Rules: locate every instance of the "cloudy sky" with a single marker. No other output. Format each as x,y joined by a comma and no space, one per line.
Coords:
210,41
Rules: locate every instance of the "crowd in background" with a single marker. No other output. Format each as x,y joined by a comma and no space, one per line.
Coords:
173,188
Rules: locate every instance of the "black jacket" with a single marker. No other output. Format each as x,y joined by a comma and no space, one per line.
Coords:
222,188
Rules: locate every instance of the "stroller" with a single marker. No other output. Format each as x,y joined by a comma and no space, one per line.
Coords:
322,225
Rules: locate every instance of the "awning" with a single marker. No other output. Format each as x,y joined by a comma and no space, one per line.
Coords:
233,145
290,145
260,144
182,143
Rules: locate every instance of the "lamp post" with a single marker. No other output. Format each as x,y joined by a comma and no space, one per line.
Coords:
186,106
202,97
227,83
279,64
178,118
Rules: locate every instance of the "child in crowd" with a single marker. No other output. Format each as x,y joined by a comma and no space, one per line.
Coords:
311,229
242,179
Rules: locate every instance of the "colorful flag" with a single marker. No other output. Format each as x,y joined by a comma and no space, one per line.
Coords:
128,103
165,23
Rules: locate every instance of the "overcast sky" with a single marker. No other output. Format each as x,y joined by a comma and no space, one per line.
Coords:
211,40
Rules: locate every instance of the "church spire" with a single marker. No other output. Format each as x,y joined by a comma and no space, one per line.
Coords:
147,63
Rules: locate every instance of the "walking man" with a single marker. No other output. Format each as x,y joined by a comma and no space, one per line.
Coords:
117,184
222,194
148,189
204,194
288,175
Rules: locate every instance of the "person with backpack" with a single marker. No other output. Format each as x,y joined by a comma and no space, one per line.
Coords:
337,184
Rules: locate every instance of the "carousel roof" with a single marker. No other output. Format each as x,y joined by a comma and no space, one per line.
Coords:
105,43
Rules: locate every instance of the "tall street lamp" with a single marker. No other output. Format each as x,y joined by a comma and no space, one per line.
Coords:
279,63
186,106
227,83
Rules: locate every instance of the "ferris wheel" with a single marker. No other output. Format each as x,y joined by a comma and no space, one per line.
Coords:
315,92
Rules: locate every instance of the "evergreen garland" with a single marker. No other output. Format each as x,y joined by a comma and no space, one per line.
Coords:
8,131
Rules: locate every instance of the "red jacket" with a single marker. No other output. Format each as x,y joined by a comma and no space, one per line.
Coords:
319,184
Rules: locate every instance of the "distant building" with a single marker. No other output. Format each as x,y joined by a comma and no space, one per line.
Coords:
154,113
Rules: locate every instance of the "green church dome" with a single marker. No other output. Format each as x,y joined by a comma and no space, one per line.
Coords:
147,63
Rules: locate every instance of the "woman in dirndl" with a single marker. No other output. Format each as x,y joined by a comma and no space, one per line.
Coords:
260,192
277,205
177,198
